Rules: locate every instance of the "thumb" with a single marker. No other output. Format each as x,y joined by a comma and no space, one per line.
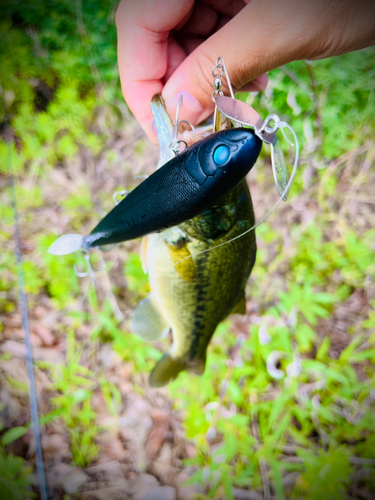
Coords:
193,78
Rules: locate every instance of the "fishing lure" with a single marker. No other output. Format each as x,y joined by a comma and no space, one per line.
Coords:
244,115
184,187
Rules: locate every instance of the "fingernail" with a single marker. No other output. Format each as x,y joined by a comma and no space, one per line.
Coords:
191,109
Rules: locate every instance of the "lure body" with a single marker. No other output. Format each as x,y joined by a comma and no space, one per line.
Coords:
184,187
194,282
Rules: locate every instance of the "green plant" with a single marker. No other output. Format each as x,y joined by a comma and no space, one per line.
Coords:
137,280
15,477
74,384
326,474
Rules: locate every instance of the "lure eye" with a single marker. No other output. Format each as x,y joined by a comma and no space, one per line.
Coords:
221,154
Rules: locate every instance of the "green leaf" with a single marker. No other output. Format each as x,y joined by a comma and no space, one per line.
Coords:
323,349
278,406
348,351
326,474
230,446
13,434
228,485
277,478
234,392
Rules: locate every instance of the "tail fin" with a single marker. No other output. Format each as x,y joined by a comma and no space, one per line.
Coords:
168,368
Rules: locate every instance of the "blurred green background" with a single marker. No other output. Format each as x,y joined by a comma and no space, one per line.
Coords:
250,427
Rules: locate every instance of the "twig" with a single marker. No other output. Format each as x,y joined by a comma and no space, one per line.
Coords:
361,199
211,432
345,158
349,155
362,494
40,52
361,461
91,62
326,439
26,327
109,296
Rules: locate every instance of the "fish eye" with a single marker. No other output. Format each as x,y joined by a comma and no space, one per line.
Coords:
221,154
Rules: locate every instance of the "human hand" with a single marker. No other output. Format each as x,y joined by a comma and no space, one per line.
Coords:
170,46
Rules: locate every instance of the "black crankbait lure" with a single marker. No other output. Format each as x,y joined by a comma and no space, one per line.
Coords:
184,187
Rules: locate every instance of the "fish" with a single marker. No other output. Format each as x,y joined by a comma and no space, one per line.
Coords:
196,279
185,186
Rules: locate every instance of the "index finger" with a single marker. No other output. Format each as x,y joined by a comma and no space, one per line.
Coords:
142,32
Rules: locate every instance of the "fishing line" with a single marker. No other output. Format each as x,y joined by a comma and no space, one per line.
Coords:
25,324
296,144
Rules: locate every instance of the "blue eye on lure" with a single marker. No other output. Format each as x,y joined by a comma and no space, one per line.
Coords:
221,155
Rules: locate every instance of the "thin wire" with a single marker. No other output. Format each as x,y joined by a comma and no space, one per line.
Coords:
25,324
229,84
227,77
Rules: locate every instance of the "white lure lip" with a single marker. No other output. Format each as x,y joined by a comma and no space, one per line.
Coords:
66,244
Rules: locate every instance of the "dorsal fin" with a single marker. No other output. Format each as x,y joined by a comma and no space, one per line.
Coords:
164,129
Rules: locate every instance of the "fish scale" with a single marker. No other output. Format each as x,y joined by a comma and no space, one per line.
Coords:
201,307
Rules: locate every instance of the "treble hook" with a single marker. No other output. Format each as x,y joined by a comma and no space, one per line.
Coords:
187,123
90,270
175,143
119,193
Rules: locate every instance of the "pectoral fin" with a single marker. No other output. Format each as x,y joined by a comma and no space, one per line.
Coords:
147,322
240,307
